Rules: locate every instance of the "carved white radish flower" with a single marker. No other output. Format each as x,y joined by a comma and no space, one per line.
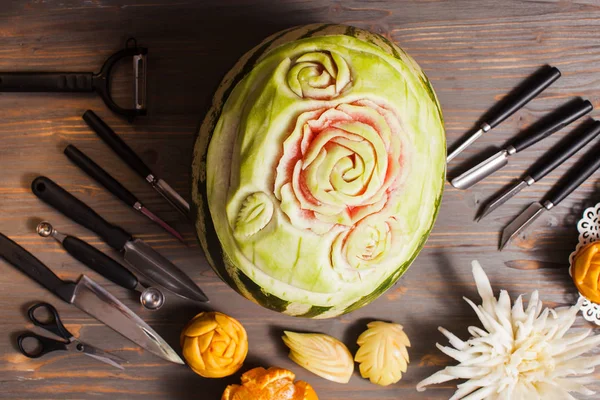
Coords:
521,353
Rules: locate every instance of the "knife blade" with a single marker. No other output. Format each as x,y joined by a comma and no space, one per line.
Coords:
96,172
91,298
551,160
576,175
548,125
168,276
128,155
533,86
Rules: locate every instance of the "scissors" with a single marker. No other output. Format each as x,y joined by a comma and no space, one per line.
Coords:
43,345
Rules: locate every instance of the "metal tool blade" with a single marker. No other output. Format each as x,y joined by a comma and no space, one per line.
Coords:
160,271
525,219
153,217
481,170
503,198
101,355
94,300
171,196
466,143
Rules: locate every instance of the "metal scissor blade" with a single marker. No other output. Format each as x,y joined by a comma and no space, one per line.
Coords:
101,355
503,198
162,223
172,196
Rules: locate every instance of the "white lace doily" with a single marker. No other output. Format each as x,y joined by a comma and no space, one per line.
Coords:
589,231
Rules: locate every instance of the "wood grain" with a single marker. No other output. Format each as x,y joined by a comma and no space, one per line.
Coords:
473,51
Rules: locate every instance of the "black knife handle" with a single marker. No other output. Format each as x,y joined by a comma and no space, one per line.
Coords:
69,205
46,82
531,88
582,170
31,266
551,123
99,262
97,173
116,143
562,151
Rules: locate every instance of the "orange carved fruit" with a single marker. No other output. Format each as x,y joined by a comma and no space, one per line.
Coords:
586,271
269,384
214,345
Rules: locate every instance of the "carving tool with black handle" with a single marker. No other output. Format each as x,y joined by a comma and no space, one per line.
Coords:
548,125
151,298
112,185
128,155
145,261
555,157
578,174
511,104
91,298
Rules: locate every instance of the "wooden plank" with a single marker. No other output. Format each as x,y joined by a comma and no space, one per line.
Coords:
473,51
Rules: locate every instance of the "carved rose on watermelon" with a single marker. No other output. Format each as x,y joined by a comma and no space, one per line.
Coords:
339,165
318,75
319,170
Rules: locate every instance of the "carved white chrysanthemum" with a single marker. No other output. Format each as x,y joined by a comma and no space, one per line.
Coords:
521,354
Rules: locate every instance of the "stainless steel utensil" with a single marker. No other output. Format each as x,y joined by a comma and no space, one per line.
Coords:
145,261
582,170
90,297
128,155
555,157
113,186
551,123
529,89
151,298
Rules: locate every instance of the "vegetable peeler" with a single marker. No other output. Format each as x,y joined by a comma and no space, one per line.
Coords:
87,81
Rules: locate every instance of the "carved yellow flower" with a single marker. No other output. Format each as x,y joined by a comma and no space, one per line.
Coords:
214,345
586,271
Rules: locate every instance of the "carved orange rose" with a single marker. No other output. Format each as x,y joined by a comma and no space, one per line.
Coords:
214,344
586,271
339,165
269,384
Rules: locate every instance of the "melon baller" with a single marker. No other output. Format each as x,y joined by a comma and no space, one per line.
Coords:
87,81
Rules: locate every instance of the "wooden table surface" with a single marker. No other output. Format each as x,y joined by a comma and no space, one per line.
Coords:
473,51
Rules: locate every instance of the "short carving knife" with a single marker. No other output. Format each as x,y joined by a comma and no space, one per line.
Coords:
112,185
511,104
91,298
551,123
148,263
128,155
555,157
582,170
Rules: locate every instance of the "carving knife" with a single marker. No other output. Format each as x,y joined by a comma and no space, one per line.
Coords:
549,124
90,297
148,263
555,157
128,155
582,170
513,102
112,185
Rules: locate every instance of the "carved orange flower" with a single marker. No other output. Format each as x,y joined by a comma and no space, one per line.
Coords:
214,344
586,271
269,384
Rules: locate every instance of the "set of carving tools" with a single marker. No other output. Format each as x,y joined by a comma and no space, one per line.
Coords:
148,273
546,126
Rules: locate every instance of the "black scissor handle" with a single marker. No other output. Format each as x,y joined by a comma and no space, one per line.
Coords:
43,345
54,324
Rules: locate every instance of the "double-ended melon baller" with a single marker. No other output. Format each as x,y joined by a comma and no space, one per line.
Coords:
81,82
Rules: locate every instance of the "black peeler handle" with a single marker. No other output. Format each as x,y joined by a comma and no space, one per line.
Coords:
46,82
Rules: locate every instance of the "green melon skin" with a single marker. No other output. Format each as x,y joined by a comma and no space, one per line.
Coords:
247,228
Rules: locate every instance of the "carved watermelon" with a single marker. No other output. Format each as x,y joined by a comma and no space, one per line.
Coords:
318,171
